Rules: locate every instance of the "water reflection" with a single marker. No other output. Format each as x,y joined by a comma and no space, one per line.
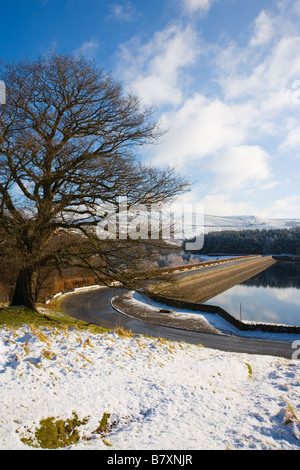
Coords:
272,296
281,275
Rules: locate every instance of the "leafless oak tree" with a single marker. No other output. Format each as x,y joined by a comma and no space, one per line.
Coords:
69,140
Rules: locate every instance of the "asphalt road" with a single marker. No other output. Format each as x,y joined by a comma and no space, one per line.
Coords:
94,307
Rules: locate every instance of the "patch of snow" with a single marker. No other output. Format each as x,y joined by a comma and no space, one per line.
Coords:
62,294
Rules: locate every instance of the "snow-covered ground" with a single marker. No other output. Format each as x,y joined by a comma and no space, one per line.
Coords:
160,395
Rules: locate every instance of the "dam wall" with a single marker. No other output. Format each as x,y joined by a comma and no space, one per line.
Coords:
198,287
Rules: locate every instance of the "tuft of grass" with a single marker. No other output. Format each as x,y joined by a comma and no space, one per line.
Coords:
103,423
48,354
88,343
54,434
291,414
124,333
104,428
106,443
250,371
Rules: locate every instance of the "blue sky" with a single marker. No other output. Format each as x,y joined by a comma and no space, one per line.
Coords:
223,75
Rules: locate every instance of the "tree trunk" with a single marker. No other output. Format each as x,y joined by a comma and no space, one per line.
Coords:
23,290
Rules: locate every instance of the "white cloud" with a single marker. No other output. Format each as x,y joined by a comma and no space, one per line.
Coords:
296,7
198,5
289,6
220,204
292,141
247,72
153,70
229,205
263,29
123,12
240,167
263,84
202,128
270,77
292,135
288,207
230,140
88,48
289,295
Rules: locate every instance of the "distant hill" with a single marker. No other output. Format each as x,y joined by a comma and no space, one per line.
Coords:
221,223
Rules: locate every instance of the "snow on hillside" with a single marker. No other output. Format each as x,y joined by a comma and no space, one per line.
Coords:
158,394
199,224
214,223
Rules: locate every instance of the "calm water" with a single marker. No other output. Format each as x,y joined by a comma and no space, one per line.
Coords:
272,296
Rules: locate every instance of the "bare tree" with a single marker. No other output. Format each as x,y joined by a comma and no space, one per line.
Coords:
69,137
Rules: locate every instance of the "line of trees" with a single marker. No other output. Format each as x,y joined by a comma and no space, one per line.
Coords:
273,241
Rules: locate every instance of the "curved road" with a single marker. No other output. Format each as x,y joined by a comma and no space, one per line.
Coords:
94,307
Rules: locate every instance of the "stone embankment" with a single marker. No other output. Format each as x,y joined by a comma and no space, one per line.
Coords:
208,283
240,325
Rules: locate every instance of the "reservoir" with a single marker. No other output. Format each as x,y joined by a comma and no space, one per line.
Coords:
272,296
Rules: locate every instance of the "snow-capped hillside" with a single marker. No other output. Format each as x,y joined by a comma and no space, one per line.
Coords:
214,223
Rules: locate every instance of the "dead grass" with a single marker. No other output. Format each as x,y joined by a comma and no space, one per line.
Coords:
291,415
123,333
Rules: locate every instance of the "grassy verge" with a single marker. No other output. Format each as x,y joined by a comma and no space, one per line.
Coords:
46,316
